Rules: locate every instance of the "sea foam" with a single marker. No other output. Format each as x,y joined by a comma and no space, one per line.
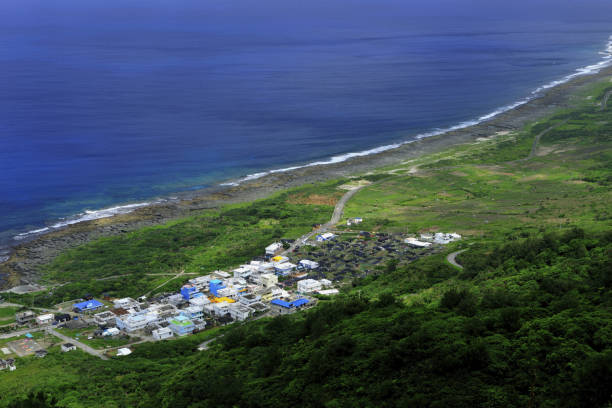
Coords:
88,215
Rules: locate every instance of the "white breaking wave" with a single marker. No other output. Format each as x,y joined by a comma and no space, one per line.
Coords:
589,69
87,216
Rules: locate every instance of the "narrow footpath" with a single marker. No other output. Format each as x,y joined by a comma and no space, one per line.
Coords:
536,141
604,102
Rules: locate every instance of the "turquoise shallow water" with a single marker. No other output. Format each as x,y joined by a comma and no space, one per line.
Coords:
109,103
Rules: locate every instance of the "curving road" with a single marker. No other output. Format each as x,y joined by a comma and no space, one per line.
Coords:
452,258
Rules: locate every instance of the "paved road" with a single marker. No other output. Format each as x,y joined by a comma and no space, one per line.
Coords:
604,102
336,216
451,258
77,343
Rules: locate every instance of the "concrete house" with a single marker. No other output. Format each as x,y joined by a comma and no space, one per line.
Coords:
284,269
201,282
25,317
239,311
124,303
181,325
68,347
44,319
105,318
134,321
308,286
272,249
162,333
328,236
307,264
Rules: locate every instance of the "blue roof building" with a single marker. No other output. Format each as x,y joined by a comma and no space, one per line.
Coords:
87,306
300,302
281,303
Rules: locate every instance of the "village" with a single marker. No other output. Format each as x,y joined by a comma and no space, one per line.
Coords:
287,278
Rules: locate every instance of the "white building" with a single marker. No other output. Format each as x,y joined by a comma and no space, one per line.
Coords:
284,268
308,286
329,292
239,311
135,321
307,264
249,299
199,301
273,248
325,283
244,271
415,243
443,238
228,292
124,303
124,352
268,280
201,282
113,331
105,318
325,237
175,299
221,308
68,347
162,333
354,221
44,319
221,275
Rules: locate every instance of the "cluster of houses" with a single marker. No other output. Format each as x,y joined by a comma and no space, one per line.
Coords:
427,240
248,290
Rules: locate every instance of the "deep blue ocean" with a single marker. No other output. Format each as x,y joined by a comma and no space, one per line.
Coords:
106,103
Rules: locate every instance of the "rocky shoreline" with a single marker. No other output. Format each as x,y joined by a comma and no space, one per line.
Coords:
23,266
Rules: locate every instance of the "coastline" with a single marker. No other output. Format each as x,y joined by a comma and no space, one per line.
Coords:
29,255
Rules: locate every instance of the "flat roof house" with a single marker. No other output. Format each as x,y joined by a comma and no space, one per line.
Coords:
284,268
87,306
25,317
239,311
105,318
124,303
181,325
162,333
68,347
272,249
325,237
133,322
44,319
307,264
308,286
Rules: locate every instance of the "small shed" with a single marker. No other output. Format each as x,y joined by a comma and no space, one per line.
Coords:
68,347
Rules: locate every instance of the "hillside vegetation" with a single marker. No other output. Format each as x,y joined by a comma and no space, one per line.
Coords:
527,322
